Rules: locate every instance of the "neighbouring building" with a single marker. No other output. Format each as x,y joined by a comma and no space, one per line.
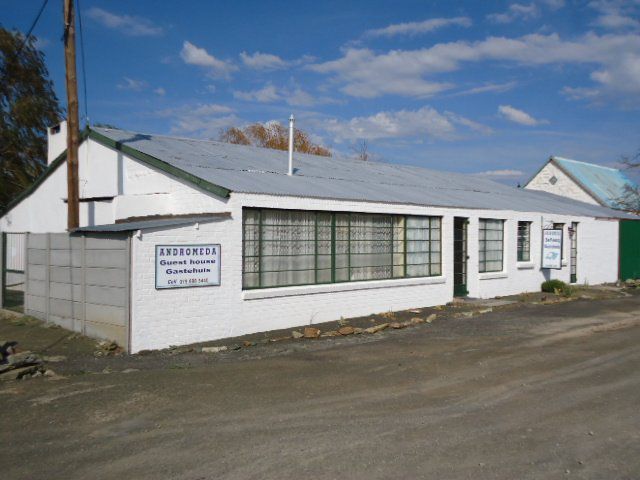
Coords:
585,182
187,240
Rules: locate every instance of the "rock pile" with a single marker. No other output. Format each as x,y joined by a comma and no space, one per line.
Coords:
631,283
17,365
107,348
345,329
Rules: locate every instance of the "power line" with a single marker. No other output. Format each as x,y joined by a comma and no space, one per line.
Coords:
84,70
33,25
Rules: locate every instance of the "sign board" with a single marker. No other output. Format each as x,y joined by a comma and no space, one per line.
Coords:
552,248
180,266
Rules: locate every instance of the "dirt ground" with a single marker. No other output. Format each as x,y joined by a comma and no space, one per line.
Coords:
531,389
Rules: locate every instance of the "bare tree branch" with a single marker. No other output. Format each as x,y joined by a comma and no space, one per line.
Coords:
361,150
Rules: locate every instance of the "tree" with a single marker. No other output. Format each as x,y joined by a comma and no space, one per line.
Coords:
272,135
28,106
630,199
361,150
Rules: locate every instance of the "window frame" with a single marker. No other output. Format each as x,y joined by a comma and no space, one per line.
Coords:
482,264
519,242
333,253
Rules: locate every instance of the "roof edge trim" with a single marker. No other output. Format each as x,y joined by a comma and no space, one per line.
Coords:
160,164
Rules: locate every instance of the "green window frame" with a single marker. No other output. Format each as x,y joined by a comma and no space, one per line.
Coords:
491,245
303,247
524,241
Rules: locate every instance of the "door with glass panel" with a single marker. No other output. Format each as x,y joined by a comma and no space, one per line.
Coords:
574,252
460,257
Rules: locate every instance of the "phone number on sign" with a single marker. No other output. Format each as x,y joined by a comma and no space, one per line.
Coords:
188,281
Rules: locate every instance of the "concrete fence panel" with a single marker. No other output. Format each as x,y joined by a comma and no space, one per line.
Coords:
80,282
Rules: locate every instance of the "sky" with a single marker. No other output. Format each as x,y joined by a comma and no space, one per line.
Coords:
491,87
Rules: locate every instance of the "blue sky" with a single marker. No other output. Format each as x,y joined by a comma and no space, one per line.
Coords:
493,87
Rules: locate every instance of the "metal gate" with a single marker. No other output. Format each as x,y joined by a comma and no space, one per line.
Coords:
13,267
629,249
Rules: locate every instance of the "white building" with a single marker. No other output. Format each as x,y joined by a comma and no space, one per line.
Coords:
582,181
338,238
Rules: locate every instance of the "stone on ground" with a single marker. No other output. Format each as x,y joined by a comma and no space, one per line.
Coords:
18,373
311,332
24,359
223,348
346,330
376,328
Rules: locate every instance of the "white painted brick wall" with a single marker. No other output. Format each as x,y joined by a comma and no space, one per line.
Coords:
171,317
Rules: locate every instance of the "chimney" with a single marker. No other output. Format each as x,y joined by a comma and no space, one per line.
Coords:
291,121
56,141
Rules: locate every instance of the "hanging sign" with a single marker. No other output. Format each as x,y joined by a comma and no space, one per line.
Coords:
187,265
552,248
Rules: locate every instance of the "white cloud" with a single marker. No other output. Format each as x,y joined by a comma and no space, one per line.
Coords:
193,55
554,4
519,116
41,43
300,98
415,28
365,73
515,11
294,96
470,124
506,173
488,88
424,122
580,93
624,76
132,84
200,120
209,109
263,61
133,26
160,91
267,94
616,14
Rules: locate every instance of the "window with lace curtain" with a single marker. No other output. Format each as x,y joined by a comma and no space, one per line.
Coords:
292,247
491,245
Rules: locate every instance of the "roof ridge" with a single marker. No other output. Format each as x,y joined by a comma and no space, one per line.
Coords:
235,145
565,159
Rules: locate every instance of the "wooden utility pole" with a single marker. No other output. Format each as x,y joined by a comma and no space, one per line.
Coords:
73,128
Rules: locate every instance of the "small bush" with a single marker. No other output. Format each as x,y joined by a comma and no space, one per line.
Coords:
550,286
558,287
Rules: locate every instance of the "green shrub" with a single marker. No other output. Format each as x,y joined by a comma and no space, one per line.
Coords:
558,287
550,286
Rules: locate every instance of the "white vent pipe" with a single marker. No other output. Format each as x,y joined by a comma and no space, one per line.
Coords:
291,121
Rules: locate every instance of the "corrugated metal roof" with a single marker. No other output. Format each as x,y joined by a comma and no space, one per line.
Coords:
247,169
607,185
156,223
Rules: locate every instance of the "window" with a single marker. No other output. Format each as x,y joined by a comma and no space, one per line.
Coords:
290,247
524,241
491,243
